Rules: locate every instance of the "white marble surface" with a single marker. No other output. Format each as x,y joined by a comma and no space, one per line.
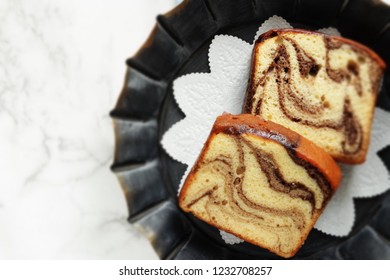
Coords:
61,70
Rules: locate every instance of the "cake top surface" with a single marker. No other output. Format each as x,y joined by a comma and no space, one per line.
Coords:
303,148
276,32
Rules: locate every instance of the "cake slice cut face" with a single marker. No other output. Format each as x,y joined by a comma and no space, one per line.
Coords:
261,182
323,87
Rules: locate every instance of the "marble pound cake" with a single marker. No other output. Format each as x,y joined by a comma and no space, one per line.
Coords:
261,182
323,87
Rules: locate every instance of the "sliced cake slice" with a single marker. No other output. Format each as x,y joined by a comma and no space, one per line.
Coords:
261,182
323,87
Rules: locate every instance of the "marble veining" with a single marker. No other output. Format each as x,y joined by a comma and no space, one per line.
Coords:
61,70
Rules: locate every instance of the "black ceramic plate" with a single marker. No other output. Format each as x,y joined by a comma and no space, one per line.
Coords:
178,45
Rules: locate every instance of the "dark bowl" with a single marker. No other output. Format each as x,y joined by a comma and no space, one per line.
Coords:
177,45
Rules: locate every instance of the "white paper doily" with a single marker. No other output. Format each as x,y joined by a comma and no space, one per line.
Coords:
204,96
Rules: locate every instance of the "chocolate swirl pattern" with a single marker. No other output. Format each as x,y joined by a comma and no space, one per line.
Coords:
320,86
252,183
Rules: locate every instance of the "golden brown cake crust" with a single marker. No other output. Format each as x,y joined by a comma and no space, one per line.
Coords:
358,157
275,32
303,148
